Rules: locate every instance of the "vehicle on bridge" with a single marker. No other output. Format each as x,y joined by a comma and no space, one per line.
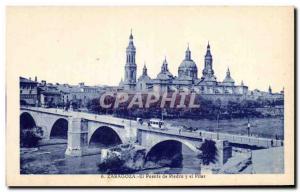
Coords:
157,124
189,129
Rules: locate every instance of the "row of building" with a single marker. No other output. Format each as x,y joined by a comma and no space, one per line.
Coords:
46,94
187,79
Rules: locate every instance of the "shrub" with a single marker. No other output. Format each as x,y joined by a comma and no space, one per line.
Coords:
30,137
208,152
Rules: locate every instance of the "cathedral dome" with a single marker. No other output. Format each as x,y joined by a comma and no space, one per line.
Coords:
144,76
228,79
164,73
121,83
188,67
189,64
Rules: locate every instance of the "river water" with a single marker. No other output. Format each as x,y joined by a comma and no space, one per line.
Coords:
51,159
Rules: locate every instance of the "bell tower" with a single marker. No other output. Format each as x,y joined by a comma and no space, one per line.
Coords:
208,72
130,66
208,62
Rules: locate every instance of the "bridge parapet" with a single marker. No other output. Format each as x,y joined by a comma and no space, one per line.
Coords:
53,111
231,138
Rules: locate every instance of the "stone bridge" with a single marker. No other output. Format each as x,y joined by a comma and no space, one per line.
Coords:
83,129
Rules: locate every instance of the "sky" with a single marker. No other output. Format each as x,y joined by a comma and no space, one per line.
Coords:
87,44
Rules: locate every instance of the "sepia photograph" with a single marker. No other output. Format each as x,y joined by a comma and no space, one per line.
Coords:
150,96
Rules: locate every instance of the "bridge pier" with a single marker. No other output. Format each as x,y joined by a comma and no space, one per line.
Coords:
77,136
131,131
46,131
224,151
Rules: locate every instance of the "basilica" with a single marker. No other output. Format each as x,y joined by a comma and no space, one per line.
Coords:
187,79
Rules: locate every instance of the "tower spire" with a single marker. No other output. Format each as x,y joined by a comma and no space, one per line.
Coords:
130,51
130,66
228,72
144,69
188,53
208,72
164,66
208,57
208,53
131,36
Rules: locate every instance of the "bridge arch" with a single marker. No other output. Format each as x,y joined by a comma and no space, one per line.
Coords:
27,121
59,129
188,144
169,151
105,136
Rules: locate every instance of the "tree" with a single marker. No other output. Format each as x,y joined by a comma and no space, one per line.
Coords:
93,105
30,137
208,152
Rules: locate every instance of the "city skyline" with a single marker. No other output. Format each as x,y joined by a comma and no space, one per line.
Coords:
75,57
178,92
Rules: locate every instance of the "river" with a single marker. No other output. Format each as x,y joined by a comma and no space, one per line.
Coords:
51,159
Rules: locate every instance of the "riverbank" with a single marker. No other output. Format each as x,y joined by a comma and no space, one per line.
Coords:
260,127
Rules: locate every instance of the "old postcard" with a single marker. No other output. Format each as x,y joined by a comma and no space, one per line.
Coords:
150,96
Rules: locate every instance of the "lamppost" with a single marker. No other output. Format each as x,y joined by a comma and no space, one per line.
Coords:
248,127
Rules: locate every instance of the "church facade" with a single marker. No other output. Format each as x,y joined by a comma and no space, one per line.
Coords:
187,79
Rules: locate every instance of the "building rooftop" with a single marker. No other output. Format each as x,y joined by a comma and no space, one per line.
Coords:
24,80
